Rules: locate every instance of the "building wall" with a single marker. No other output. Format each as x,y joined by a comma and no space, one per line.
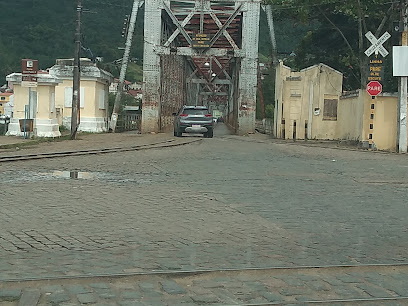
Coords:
300,98
327,85
93,101
21,98
373,122
350,117
381,131
3,100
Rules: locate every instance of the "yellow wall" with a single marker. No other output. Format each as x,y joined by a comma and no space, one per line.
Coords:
384,124
3,102
44,102
357,120
90,105
20,100
350,115
299,94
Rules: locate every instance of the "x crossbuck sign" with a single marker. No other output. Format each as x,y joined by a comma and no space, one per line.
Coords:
377,44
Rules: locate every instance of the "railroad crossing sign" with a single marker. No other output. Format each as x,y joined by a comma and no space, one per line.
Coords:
377,44
374,88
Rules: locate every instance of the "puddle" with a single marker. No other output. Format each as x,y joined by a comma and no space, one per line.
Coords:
28,176
75,175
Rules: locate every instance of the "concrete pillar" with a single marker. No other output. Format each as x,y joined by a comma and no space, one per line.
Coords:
249,69
151,67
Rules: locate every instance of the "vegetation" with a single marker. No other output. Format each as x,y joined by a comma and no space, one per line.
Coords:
307,32
44,30
338,36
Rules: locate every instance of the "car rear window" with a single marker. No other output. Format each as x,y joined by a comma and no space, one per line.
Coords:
193,111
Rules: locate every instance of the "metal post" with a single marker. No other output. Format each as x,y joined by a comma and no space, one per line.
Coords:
151,67
269,17
248,77
76,103
403,91
125,61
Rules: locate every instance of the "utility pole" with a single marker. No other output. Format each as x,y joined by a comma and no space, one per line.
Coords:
403,88
275,63
76,84
125,60
269,17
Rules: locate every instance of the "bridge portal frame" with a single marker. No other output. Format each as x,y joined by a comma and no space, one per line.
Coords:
240,85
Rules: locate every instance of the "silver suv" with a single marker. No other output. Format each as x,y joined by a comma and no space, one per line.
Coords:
194,119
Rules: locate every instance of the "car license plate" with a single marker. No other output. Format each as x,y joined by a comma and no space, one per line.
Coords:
196,126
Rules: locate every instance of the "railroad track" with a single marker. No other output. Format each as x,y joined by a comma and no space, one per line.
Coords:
192,279
156,145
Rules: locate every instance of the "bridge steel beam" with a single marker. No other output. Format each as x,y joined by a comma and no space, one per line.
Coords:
247,85
151,67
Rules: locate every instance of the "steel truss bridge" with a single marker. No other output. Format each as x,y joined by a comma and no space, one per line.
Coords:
200,52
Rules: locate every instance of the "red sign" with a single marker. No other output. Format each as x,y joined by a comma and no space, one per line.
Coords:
29,66
374,88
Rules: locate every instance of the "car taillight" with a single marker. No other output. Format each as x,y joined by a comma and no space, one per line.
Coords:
183,115
208,115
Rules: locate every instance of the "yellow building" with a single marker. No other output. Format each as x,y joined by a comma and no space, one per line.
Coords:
93,95
372,122
306,102
4,98
37,103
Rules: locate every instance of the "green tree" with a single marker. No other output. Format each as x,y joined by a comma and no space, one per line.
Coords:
339,38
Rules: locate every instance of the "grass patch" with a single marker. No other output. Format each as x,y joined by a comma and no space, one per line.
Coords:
34,142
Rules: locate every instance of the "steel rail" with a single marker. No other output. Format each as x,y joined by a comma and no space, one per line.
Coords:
161,144
204,271
340,301
197,272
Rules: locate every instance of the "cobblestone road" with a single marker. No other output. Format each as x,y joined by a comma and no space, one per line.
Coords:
224,203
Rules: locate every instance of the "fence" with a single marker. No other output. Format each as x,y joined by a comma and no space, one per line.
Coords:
129,122
264,126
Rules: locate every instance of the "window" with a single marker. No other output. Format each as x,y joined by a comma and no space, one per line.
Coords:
330,109
68,97
190,111
102,99
3,98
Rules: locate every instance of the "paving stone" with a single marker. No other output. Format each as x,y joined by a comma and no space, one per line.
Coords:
293,291
373,291
272,297
51,288
86,298
131,295
131,303
100,285
171,287
57,298
29,298
147,286
78,289
9,295
318,286
209,298
349,279
107,295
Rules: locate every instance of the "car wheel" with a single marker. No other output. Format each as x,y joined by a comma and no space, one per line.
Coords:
209,134
177,133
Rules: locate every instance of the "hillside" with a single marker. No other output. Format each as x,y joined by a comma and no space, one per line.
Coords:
44,30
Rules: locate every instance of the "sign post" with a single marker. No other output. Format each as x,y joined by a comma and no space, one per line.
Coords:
29,70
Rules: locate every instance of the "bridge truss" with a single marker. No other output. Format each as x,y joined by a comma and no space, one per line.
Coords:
220,74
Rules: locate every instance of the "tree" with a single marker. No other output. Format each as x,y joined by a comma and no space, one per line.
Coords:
339,40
